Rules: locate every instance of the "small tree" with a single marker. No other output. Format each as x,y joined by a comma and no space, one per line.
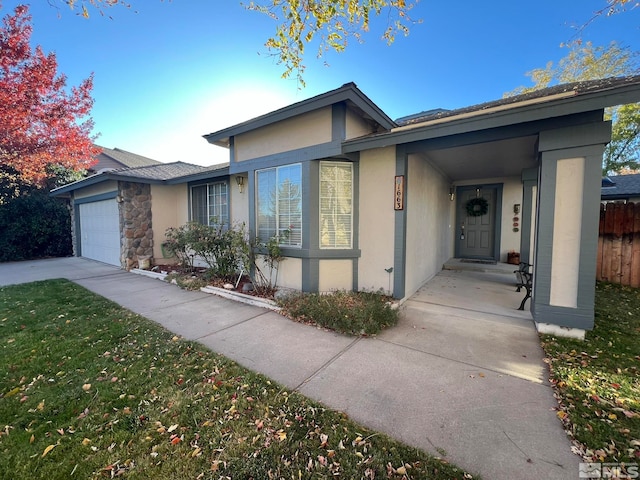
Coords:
40,123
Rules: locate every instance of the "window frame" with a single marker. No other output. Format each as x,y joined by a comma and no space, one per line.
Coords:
278,227
352,212
227,206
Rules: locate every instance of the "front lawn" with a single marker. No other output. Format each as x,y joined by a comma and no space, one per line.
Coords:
91,390
597,381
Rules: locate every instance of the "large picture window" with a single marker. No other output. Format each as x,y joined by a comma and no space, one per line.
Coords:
210,204
279,204
336,205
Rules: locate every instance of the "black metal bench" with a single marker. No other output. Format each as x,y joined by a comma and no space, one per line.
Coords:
524,277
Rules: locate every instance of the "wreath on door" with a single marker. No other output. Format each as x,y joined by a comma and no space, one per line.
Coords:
476,207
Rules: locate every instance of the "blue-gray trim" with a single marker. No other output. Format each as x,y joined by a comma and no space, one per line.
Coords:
529,181
400,229
338,122
356,223
310,228
440,136
571,137
96,198
505,115
582,316
210,181
114,176
497,232
204,176
348,93
322,151
310,274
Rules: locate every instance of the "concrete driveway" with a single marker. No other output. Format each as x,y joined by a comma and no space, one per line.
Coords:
461,376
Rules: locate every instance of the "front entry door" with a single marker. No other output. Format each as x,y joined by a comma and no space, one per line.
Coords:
476,234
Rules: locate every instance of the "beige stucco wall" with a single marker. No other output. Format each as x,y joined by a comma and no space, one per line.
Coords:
168,209
377,217
511,195
239,202
99,189
428,222
289,272
567,230
306,130
335,275
356,126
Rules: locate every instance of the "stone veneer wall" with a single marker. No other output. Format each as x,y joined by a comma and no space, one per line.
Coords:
135,221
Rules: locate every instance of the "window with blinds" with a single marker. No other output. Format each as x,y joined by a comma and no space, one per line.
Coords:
210,204
336,205
279,204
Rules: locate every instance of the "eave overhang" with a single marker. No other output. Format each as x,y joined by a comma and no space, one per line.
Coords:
501,115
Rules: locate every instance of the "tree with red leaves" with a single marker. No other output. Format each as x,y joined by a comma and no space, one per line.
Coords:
42,124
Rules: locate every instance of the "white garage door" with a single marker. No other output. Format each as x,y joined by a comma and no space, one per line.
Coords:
100,231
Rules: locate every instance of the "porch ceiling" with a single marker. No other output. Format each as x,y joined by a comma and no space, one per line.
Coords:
504,158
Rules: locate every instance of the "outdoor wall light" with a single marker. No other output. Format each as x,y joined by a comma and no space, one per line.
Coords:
240,181
452,193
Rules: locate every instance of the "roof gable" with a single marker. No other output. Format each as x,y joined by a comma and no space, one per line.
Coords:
348,93
118,158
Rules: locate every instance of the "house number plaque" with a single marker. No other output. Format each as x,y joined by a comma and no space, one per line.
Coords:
399,193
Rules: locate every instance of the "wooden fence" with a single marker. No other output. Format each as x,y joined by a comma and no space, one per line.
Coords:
619,244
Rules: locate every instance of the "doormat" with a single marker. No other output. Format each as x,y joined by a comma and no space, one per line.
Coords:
482,262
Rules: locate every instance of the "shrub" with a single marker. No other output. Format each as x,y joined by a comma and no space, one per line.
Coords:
225,250
354,313
34,226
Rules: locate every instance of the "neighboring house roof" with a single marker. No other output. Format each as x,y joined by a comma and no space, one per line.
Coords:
163,173
115,158
618,187
348,93
556,101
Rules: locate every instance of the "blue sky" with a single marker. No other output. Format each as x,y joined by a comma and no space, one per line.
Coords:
167,72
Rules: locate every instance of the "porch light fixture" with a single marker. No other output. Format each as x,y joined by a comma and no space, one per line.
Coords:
452,193
240,182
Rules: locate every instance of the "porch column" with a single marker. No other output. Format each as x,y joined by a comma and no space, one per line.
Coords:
567,228
527,213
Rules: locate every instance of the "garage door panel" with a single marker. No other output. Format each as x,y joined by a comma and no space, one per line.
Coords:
100,231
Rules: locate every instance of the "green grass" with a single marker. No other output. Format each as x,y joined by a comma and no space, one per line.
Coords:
597,381
352,313
90,390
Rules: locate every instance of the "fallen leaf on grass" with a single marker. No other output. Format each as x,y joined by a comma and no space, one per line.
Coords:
48,449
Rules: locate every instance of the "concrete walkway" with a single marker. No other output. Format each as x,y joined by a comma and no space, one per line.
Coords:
461,376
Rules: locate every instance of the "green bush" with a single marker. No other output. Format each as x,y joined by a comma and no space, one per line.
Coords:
34,226
353,313
224,249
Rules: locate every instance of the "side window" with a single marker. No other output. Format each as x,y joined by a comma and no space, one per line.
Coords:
209,204
279,204
336,205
